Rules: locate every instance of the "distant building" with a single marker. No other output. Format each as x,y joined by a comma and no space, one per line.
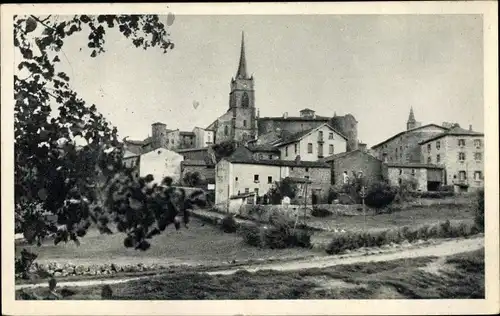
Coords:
404,147
242,173
203,137
461,153
348,126
356,162
161,163
312,144
426,177
239,123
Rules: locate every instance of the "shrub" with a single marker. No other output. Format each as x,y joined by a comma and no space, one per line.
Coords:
379,196
332,195
277,236
24,263
320,212
479,210
106,292
228,224
251,235
285,187
210,197
433,194
354,240
446,188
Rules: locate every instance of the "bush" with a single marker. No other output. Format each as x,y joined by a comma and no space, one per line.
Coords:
228,224
446,188
479,210
24,263
379,196
285,187
433,194
251,235
354,240
332,195
320,212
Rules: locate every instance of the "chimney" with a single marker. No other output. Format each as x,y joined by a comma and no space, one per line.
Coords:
362,146
285,115
470,127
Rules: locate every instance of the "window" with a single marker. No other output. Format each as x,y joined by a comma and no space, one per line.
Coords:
255,178
296,148
413,172
307,169
269,179
286,151
226,130
247,190
330,136
320,135
310,148
256,190
461,156
270,157
477,143
400,181
461,142
307,177
396,151
438,158
400,171
429,160
244,100
477,175
428,147
244,123
236,179
438,145
478,156
330,149
462,175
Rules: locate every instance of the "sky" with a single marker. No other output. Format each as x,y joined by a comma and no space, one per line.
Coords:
373,66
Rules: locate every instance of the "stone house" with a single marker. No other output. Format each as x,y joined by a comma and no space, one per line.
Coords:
461,153
161,163
203,137
356,161
242,173
206,171
404,147
427,177
312,144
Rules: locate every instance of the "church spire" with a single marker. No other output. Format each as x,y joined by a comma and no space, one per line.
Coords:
242,68
411,123
411,118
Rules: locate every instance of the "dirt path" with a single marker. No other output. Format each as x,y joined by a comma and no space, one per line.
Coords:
442,249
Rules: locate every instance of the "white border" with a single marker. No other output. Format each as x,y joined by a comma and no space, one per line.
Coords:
261,307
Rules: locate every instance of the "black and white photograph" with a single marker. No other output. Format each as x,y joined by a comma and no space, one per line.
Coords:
179,154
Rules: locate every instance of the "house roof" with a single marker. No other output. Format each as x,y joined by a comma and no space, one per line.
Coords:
306,109
194,163
187,133
454,131
412,165
408,131
264,147
348,153
192,149
298,136
296,118
129,154
242,158
241,196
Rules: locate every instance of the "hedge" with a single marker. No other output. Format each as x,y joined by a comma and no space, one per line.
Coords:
354,240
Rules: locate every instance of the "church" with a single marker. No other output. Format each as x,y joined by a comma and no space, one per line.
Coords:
239,123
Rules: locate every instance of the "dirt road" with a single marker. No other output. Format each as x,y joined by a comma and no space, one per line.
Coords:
441,249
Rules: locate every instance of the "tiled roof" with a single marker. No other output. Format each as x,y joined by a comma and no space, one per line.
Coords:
194,163
412,165
241,159
192,149
455,131
299,180
297,118
264,147
298,136
347,153
408,131
187,133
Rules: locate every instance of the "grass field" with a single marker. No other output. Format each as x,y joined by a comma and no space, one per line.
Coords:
415,216
199,244
458,276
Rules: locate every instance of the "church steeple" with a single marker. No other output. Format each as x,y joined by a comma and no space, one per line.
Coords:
242,67
411,123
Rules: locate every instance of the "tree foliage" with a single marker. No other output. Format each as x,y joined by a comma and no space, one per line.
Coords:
379,195
68,160
224,149
285,187
192,179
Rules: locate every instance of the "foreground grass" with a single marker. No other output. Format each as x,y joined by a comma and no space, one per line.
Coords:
458,276
199,244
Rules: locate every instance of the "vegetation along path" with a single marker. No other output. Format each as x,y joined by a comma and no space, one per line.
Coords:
442,249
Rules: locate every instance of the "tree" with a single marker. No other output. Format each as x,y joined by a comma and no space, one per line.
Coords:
224,149
285,187
83,183
192,179
379,195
